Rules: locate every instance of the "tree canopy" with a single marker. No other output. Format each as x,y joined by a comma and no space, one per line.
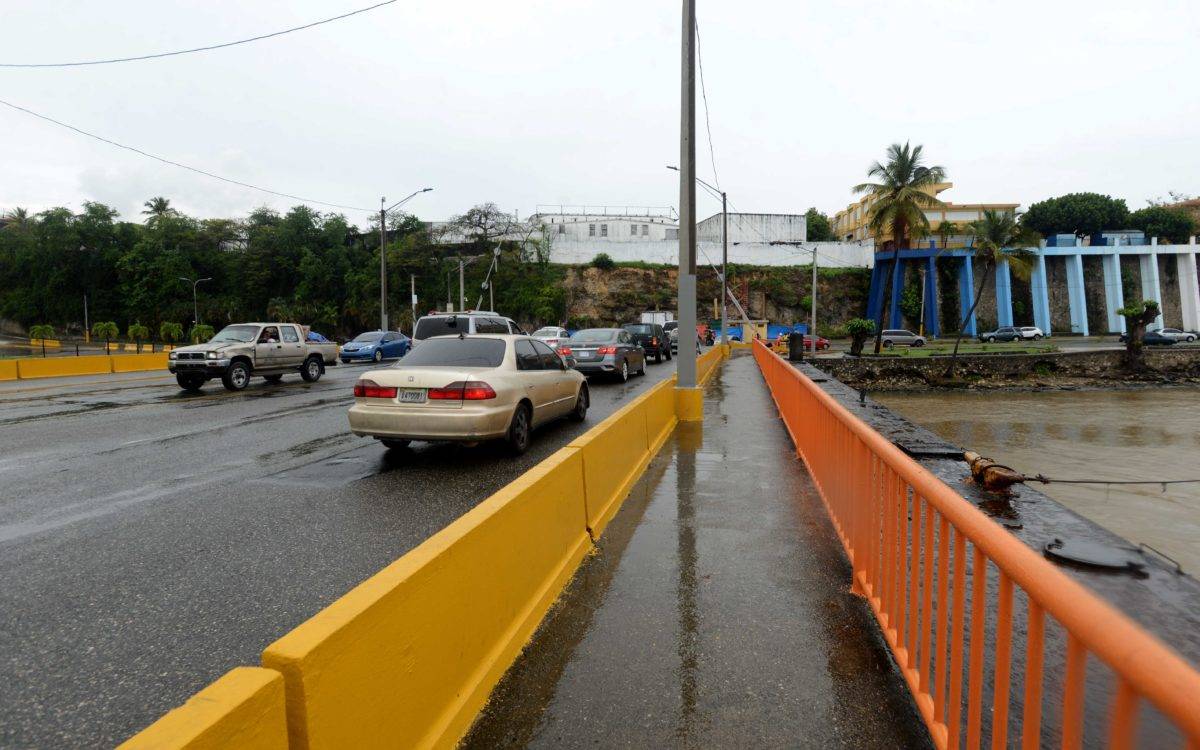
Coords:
1080,214
818,226
1169,224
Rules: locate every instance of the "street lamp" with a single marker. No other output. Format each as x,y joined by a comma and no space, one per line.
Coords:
383,322
724,255
195,306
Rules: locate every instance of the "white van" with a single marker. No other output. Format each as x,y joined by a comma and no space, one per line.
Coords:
469,323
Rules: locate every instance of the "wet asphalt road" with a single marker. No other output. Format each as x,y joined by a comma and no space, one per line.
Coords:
151,540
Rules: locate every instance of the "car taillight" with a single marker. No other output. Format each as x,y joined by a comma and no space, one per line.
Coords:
654,341
607,350
371,389
564,351
463,390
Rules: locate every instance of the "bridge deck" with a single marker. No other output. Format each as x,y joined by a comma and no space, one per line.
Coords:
716,613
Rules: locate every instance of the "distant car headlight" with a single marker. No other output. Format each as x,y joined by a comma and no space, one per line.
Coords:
172,355
213,355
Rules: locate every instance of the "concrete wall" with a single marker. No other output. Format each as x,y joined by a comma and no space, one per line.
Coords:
829,254
755,228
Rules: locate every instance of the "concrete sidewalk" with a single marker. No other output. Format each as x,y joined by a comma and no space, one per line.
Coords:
716,613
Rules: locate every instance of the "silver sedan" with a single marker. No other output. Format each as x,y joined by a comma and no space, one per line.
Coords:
468,389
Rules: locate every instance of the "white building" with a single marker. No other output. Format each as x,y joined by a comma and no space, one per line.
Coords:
606,224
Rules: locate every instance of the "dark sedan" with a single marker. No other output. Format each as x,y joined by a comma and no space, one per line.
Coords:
1004,333
606,351
1152,338
652,338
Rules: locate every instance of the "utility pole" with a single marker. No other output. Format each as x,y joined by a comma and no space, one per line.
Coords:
412,282
922,325
724,270
688,403
462,291
87,332
383,321
813,324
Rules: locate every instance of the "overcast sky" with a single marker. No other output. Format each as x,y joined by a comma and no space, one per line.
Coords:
536,102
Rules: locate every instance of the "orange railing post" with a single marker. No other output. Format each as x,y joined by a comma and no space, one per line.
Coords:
907,535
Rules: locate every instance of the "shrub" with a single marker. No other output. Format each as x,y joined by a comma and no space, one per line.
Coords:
604,262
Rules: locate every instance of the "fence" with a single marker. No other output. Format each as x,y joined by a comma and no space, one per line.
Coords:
928,561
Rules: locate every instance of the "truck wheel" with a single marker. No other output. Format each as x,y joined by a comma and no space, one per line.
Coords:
311,371
190,383
658,356
518,431
237,377
272,378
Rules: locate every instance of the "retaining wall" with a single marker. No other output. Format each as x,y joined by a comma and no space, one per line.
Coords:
90,364
410,656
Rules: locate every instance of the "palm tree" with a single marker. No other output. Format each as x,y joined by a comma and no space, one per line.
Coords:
107,330
138,333
42,332
995,232
946,230
17,218
904,189
156,208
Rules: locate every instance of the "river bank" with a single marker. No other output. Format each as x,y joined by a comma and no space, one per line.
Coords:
1017,372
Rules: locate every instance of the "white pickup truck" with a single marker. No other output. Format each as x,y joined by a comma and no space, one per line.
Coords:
243,350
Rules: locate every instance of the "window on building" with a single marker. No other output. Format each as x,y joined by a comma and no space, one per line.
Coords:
645,230
591,230
603,230
633,230
562,228
672,233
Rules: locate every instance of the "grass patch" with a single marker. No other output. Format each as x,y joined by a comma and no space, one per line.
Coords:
945,350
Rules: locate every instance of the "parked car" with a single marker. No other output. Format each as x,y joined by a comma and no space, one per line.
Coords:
1003,333
672,331
822,343
375,346
470,323
1031,332
606,351
1178,334
652,338
244,350
552,336
468,390
900,337
1152,338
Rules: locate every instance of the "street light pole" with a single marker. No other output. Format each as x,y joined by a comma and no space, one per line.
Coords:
724,270
383,212
689,405
813,326
195,302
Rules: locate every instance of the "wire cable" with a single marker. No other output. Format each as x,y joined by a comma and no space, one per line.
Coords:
196,49
704,95
178,164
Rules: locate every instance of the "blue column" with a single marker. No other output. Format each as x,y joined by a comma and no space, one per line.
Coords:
875,296
1004,311
966,295
932,319
897,290
1114,293
1041,294
1076,295
1151,290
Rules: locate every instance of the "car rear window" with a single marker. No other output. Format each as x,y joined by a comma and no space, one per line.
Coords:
456,352
595,335
446,325
639,328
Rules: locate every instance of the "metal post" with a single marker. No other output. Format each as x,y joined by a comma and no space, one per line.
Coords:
813,325
412,281
195,304
462,292
87,332
724,270
922,326
383,321
686,368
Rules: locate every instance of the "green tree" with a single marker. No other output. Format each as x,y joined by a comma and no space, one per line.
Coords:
138,333
170,331
1080,214
946,230
998,236
818,226
910,302
17,218
43,332
903,190
604,262
156,209
107,330
1137,316
1170,224
201,333
859,329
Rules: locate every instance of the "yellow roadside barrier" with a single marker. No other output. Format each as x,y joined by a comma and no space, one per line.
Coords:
8,369
54,367
49,343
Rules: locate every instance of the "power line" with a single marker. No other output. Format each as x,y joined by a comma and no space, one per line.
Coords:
177,164
196,49
704,95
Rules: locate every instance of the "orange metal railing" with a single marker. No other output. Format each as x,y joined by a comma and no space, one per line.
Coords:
917,548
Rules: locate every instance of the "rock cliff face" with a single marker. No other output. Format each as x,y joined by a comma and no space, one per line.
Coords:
618,295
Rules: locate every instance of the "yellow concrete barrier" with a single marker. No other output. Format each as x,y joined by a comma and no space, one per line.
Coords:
8,369
660,414
409,657
244,710
50,343
615,453
140,362
56,367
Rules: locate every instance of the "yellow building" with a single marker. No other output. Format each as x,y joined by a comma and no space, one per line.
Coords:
851,223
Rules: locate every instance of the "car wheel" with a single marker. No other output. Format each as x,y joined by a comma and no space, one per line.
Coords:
272,378
887,345
1190,339
377,357
190,383
518,431
919,342
394,443
623,375
1037,336
658,357
582,401
237,377
311,371
642,368
669,355
991,339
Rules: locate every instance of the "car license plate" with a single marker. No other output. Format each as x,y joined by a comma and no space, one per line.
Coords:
585,354
412,395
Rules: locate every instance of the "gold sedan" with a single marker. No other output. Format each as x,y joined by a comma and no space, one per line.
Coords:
468,389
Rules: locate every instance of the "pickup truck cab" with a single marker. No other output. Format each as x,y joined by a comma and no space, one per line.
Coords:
244,350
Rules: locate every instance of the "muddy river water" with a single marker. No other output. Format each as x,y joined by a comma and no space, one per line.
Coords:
1093,434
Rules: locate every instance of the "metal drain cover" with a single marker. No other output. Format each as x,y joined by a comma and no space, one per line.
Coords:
1095,555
